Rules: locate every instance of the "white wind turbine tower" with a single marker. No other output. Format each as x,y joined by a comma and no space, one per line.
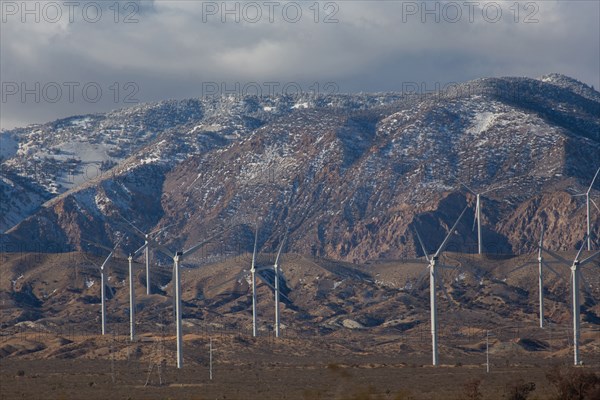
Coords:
132,291
276,274
147,248
103,280
478,214
587,203
541,264
177,259
254,272
576,276
432,267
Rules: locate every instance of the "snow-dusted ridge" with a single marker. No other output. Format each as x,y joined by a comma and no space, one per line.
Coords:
349,173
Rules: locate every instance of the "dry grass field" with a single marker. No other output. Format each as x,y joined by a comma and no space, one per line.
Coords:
348,332
96,367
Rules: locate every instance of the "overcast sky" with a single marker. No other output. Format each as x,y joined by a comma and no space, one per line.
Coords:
153,50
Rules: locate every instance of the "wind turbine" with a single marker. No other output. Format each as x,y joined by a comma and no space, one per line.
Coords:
254,272
276,273
132,291
541,264
177,259
103,269
432,267
148,243
275,286
587,203
478,214
576,275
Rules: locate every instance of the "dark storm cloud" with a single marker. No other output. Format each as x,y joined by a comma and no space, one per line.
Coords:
147,51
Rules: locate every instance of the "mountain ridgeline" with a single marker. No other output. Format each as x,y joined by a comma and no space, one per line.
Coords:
348,177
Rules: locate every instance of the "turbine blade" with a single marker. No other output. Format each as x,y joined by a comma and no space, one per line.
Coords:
582,246
264,268
133,226
162,249
586,285
138,251
107,260
422,245
419,280
91,261
195,248
590,258
594,203
159,230
520,267
262,278
280,248
528,261
173,283
450,267
593,180
572,291
413,261
235,278
445,242
101,246
492,189
110,289
199,245
546,265
98,245
468,188
255,243
173,291
553,254
475,218
541,242
443,287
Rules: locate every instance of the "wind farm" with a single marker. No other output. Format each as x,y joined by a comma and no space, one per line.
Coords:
323,254
336,352
322,200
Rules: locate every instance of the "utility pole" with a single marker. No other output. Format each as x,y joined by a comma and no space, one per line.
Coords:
487,351
210,350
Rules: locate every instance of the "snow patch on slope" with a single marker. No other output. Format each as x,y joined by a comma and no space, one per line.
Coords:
482,122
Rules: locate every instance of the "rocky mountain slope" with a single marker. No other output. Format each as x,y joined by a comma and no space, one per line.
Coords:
349,177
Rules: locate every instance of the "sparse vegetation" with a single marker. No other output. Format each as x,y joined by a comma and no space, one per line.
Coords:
312,394
403,395
471,390
338,370
574,383
295,380
368,393
519,390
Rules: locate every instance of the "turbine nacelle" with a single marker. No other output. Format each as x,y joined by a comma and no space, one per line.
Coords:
575,266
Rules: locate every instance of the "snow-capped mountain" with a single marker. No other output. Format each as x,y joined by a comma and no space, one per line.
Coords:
348,176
